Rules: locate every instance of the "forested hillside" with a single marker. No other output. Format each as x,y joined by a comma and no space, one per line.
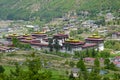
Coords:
48,9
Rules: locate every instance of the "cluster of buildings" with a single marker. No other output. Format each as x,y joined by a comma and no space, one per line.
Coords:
89,24
116,35
39,40
116,61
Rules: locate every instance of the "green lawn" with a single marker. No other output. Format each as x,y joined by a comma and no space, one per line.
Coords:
58,75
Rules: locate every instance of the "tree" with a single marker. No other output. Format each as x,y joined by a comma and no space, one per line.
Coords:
87,52
93,52
34,65
81,65
71,77
96,63
94,76
15,42
50,44
71,64
83,70
67,47
16,73
107,63
56,45
27,46
116,76
80,31
105,54
34,70
2,69
112,66
106,78
96,66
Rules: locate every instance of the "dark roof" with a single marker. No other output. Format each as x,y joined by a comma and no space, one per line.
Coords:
60,35
3,48
89,59
39,35
117,57
75,70
116,62
30,41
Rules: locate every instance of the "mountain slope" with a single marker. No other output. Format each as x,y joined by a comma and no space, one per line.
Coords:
48,9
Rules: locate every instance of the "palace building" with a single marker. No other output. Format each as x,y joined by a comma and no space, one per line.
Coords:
96,39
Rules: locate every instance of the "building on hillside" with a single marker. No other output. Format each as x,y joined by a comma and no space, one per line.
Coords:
96,39
75,72
116,61
103,31
35,43
61,38
89,59
5,49
45,29
29,26
72,45
109,17
116,35
89,24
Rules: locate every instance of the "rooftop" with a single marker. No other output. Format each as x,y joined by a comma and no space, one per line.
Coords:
95,37
74,42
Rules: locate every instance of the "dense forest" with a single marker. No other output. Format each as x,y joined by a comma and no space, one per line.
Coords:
48,9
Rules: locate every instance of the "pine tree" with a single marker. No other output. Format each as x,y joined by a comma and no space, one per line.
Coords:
50,44
2,69
81,65
96,66
56,45
93,52
87,53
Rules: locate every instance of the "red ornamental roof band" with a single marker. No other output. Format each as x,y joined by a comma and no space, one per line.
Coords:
39,44
60,35
117,57
30,41
88,45
95,39
89,59
4,48
116,62
78,43
39,35
118,33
